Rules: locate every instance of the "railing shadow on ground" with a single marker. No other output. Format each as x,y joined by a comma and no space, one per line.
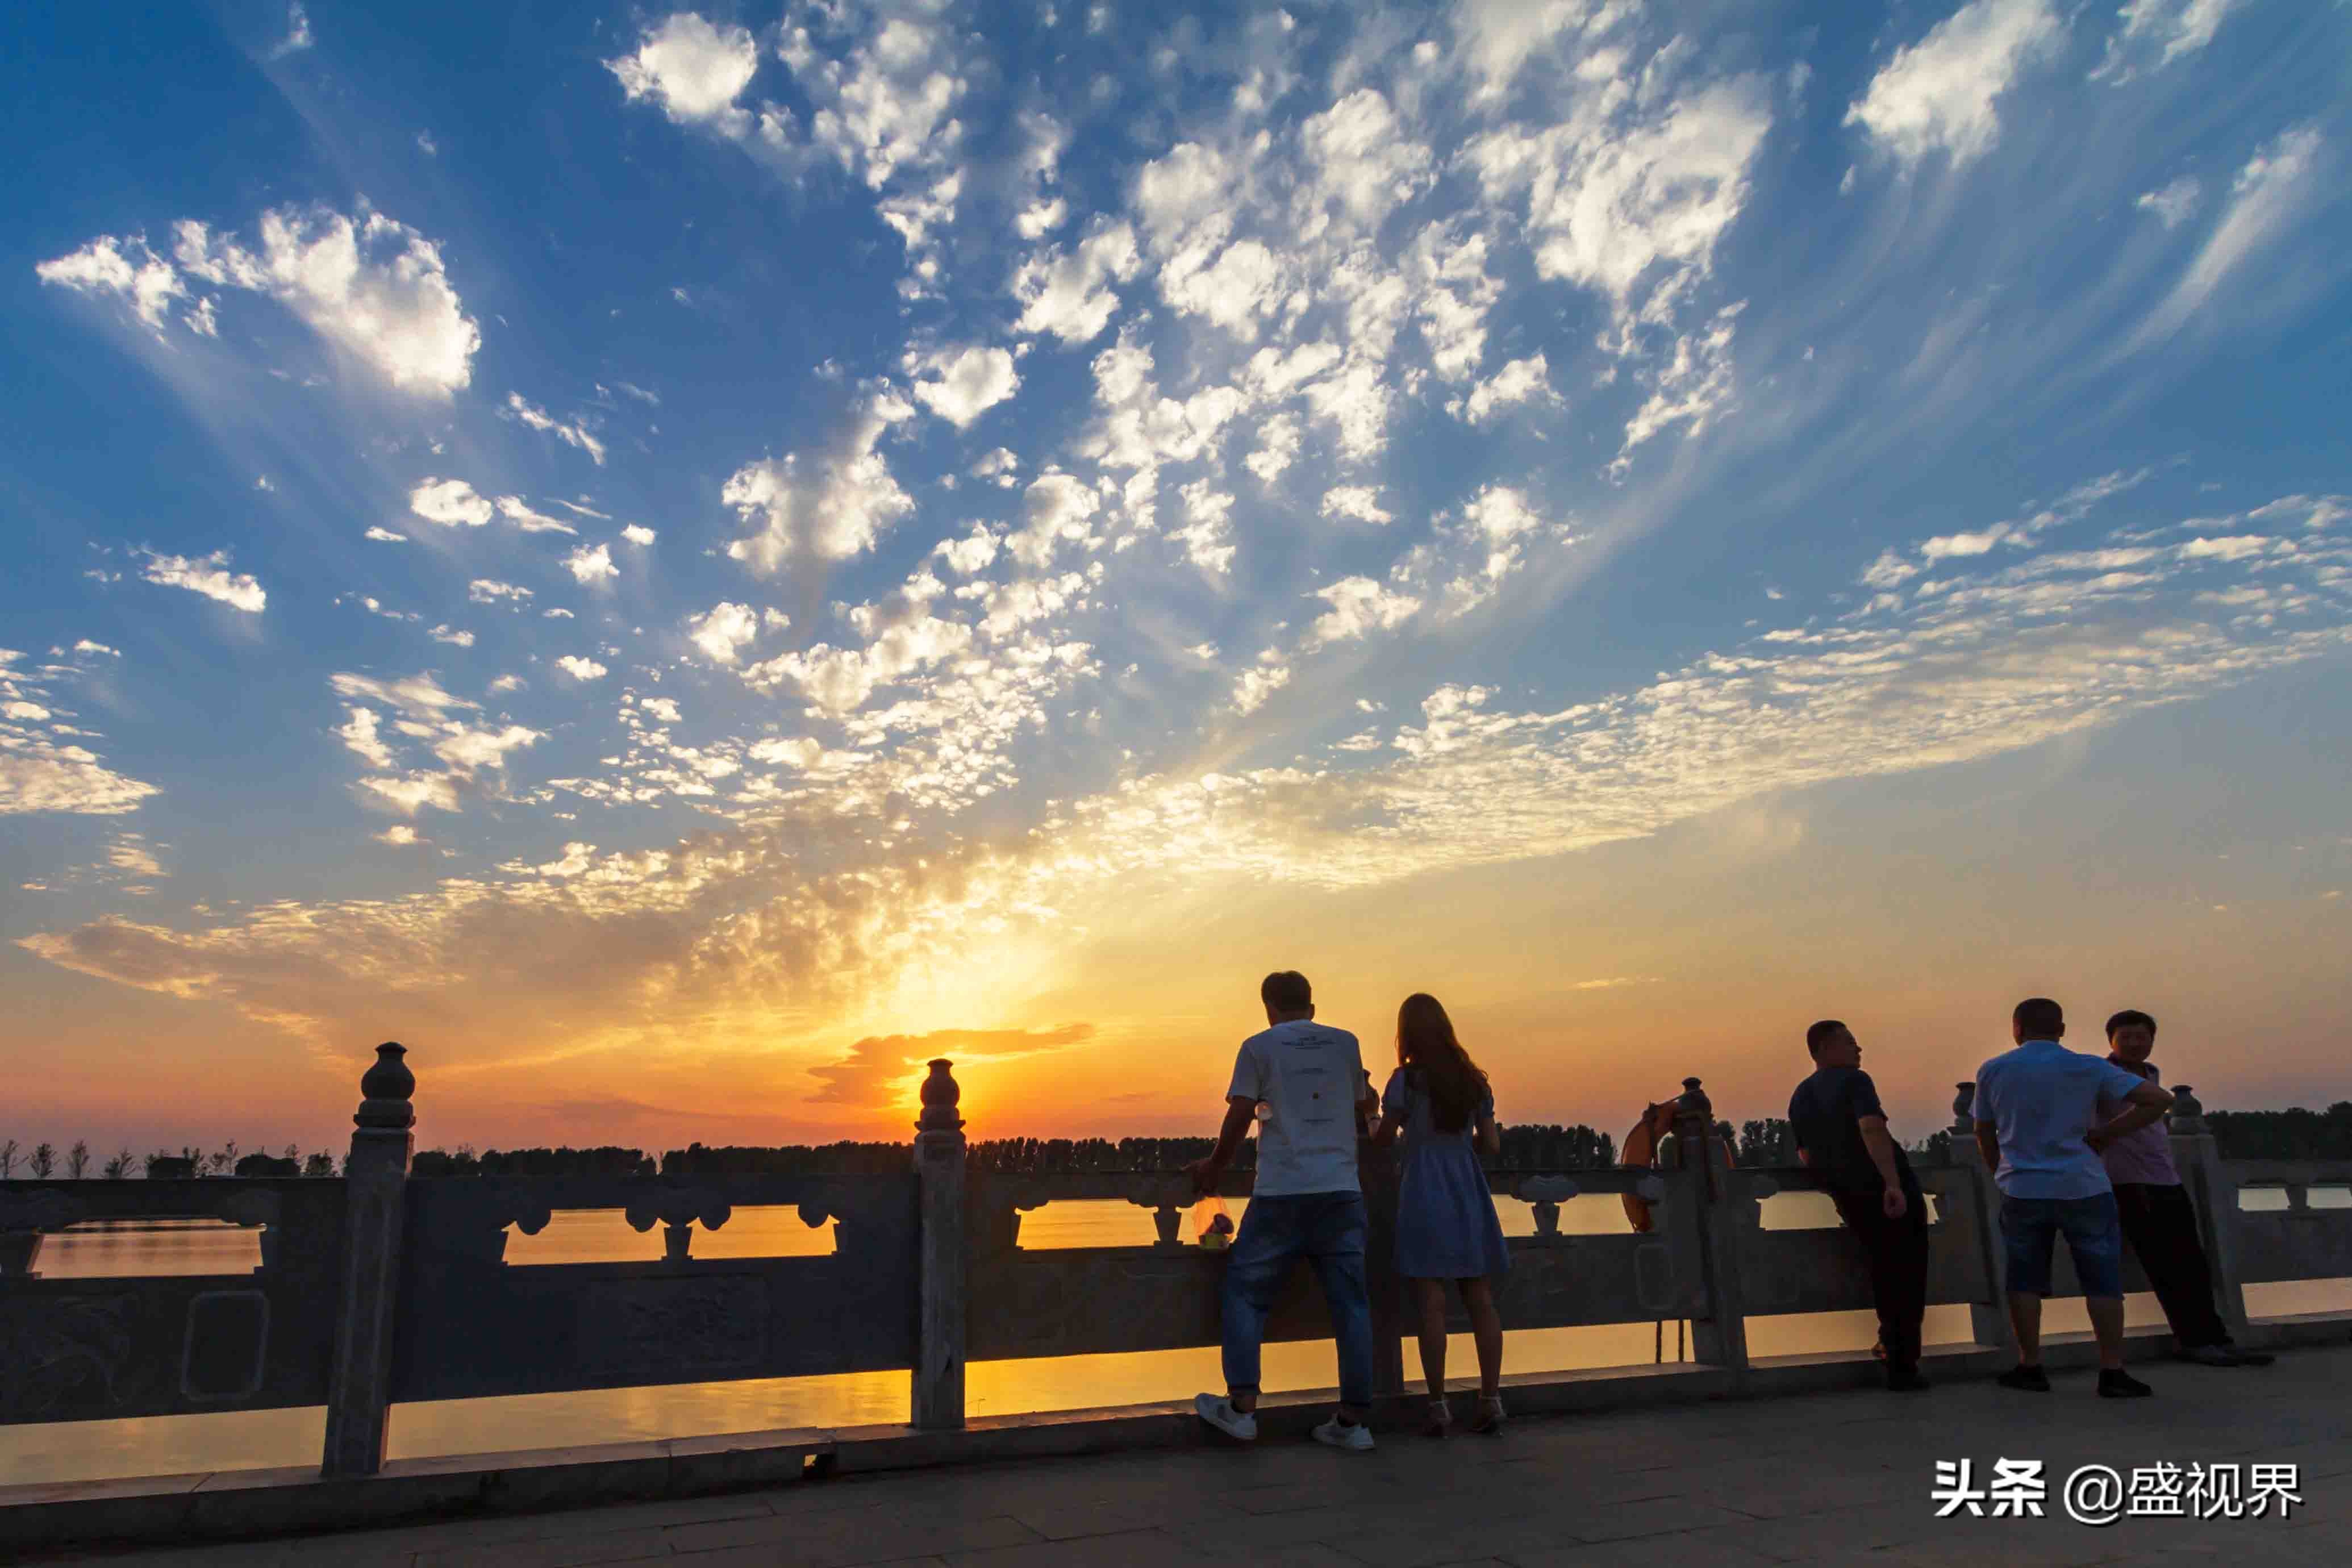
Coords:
379,1287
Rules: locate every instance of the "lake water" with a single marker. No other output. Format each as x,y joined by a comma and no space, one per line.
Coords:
171,1445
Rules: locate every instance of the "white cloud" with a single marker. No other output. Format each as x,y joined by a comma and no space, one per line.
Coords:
208,575
400,834
298,32
636,534
828,506
722,629
1069,294
887,102
516,511
1643,194
454,639
449,502
593,565
360,736
1000,467
1360,606
487,591
43,766
2173,204
1360,502
1207,534
1365,164
386,536
580,668
1246,280
1520,381
469,751
574,434
838,680
1938,94
1279,440
692,71
1041,217
144,279
961,384
1688,388
2269,193
2155,33
1256,686
1059,508
373,286
971,554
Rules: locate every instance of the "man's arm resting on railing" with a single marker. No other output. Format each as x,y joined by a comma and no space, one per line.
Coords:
2141,1107
1881,1145
1240,1111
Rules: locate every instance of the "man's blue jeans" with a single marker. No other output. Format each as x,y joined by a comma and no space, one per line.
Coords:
1327,1230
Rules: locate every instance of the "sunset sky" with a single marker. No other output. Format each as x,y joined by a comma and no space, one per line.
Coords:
680,564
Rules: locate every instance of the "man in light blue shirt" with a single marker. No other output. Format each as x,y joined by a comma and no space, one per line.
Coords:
2039,1128
1303,1084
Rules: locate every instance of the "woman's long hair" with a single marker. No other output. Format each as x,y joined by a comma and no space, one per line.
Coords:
1426,1044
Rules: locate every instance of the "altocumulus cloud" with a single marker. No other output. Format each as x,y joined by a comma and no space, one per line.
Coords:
877,1064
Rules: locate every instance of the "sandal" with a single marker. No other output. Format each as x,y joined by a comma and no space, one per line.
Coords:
1490,1416
1441,1419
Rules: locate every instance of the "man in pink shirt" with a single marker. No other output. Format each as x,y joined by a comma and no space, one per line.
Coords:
2158,1220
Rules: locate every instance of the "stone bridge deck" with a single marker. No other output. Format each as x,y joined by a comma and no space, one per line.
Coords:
1839,1477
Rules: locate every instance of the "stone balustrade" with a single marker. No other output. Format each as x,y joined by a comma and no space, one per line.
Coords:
379,1288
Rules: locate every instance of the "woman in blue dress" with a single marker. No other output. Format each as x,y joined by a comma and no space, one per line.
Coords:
1446,1227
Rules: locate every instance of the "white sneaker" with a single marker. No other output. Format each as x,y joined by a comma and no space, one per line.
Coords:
1356,1439
1219,1412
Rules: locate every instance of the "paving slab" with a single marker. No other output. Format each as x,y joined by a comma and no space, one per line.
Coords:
1822,1477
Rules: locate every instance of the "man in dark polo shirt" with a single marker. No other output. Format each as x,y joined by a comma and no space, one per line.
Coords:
1841,1131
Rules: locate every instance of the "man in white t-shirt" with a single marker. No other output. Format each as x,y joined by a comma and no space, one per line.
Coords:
1309,1079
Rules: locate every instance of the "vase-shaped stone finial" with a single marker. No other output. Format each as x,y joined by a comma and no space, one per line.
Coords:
2188,1113
387,1086
1963,1105
1692,1101
940,1095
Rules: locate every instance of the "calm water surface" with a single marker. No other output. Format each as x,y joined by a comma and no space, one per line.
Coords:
171,1444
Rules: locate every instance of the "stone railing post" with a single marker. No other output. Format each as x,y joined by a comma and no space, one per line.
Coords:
375,1185
1720,1338
1989,1304
1377,1169
2214,1192
938,1398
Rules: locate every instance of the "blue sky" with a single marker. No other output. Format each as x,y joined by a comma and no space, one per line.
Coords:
759,542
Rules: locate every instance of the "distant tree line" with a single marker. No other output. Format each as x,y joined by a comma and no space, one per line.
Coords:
43,1163
2297,1134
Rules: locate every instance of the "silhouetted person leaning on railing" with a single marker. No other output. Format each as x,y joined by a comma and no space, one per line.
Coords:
2158,1218
1307,1203
2038,1129
1446,1229
1841,1132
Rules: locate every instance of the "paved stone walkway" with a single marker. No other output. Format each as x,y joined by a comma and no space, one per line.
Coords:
1830,1477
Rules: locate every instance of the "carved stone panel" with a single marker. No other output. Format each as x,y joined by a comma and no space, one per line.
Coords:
72,1357
673,1330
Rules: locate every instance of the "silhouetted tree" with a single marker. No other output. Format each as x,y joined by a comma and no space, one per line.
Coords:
7,1160
1768,1142
44,1163
222,1159
77,1159
319,1165
268,1165
117,1168
163,1167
